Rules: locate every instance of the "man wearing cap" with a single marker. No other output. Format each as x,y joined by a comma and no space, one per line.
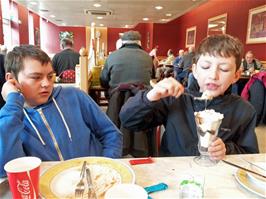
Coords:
129,64
127,70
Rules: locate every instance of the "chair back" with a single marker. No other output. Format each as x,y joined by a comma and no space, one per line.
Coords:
67,76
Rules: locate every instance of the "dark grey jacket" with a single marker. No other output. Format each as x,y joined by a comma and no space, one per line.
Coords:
177,115
129,64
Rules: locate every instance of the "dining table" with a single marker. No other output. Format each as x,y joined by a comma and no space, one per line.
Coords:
220,181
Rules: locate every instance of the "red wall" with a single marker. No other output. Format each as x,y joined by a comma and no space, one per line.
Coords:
50,36
24,25
79,36
142,28
237,18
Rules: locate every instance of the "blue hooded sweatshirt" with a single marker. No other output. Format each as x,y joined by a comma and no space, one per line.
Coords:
69,125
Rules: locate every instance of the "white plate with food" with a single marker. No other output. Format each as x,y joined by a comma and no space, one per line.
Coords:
243,179
60,180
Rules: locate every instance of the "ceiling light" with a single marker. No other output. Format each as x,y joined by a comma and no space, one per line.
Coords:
52,16
101,25
168,14
145,19
97,5
158,7
99,17
33,3
164,20
63,24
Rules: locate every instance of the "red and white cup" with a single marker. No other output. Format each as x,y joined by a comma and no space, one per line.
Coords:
23,177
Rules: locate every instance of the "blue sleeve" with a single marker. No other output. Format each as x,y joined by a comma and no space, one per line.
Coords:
11,125
107,133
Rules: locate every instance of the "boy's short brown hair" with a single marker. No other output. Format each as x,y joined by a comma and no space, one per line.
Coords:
14,59
223,45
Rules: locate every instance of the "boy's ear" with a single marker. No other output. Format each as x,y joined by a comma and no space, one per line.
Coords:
9,76
237,75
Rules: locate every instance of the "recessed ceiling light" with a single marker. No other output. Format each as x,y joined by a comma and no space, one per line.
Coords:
158,7
101,24
63,24
92,23
97,5
164,20
99,17
145,19
52,16
168,14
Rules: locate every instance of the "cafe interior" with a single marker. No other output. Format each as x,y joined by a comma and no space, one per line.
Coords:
95,27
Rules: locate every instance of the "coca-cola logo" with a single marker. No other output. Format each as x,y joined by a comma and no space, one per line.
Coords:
23,188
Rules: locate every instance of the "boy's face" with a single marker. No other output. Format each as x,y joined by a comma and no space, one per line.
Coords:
215,73
36,81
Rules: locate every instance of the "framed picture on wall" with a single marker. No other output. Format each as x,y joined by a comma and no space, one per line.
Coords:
256,32
190,36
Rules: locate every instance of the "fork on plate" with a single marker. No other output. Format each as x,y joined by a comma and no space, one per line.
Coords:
80,187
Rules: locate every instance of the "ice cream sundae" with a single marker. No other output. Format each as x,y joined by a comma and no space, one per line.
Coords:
208,122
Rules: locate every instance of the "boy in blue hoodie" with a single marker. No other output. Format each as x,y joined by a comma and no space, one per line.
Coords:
52,123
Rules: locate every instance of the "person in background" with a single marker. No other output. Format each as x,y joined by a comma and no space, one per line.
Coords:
177,61
67,59
119,42
153,54
129,64
185,66
52,123
217,66
166,65
250,63
126,71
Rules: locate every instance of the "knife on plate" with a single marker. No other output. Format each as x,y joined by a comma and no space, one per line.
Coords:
91,190
243,168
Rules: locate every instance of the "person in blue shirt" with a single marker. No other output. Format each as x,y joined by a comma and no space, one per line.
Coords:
52,123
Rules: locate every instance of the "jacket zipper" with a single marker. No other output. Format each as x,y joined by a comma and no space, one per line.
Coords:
52,135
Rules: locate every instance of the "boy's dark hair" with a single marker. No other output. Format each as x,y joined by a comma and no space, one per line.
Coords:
67,42
15,59
223,45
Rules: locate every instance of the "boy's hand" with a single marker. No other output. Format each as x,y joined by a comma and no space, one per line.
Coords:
217,149
10,86
164,88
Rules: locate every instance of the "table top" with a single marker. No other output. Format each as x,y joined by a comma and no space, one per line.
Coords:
220,181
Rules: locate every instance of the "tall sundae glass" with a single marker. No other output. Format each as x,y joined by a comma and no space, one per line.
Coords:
208,123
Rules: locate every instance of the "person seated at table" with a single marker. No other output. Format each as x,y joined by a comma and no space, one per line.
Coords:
176,62
67,59
217,66
185,65
126,70
250,63
165,65
52,123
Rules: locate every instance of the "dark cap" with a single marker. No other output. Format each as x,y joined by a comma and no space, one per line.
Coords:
131,36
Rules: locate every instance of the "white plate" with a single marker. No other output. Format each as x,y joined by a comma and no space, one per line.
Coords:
60,180
243,179
260,181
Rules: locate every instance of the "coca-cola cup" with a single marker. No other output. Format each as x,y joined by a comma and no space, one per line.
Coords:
23,177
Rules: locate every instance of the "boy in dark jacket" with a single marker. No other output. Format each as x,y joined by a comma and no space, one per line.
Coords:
218,60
